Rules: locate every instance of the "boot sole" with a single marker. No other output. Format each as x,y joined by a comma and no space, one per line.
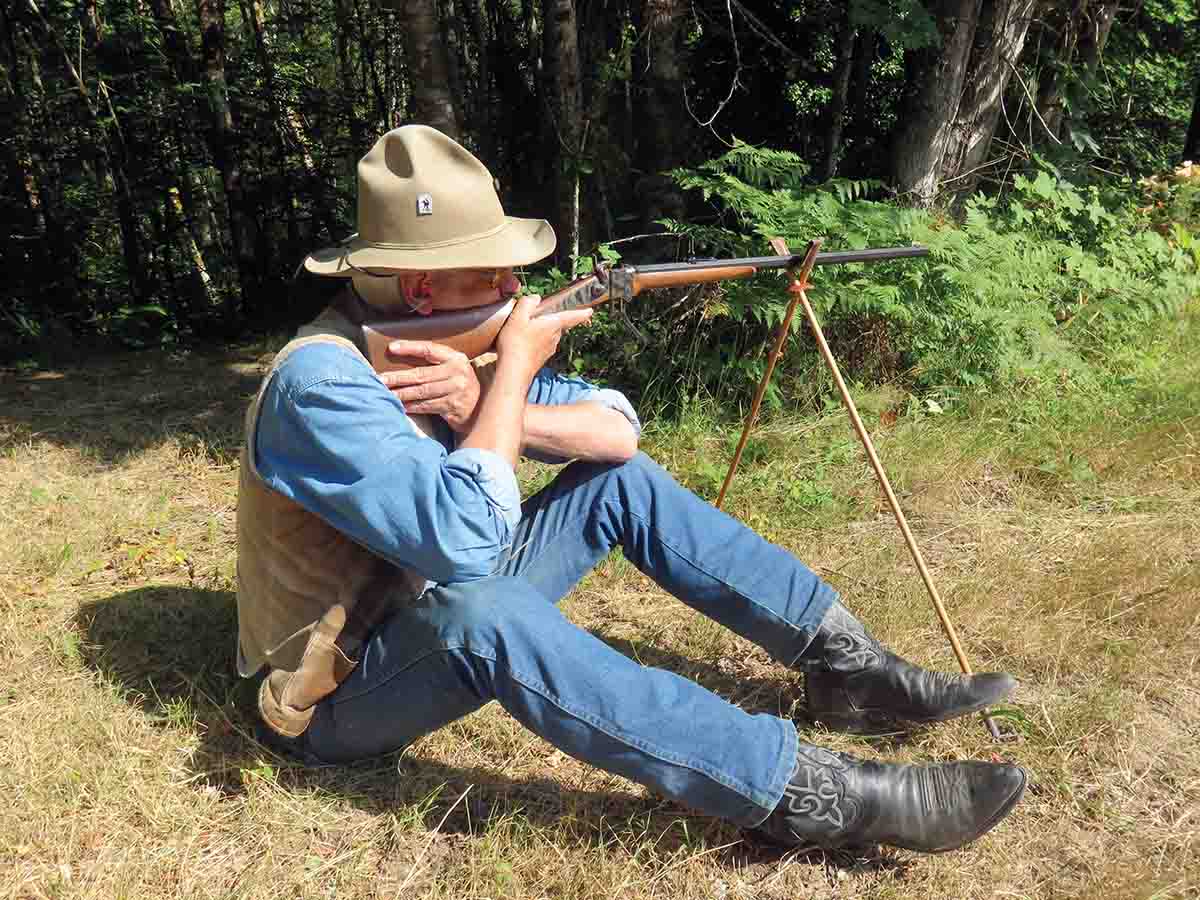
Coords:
867,722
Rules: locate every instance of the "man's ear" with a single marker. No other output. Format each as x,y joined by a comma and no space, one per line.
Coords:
417,290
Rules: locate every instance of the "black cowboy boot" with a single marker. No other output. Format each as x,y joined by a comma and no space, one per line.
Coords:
854,684
835,800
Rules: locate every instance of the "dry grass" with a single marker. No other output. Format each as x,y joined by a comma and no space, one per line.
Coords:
128,770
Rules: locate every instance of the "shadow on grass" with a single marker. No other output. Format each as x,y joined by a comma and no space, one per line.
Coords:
171,650
126,403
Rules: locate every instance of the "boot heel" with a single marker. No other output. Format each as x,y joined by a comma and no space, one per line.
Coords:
823,696
826,702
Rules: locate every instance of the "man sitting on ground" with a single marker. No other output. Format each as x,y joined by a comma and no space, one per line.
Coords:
391,581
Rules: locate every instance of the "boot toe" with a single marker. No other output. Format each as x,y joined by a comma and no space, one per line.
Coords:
1002,787
961,696
992,687
993,790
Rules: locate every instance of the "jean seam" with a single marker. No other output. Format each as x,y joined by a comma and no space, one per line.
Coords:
381,680
537,687
659,535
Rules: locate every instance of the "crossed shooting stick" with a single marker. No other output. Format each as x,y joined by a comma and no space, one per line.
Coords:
797,287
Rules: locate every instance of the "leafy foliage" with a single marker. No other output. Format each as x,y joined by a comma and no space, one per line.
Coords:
1030,285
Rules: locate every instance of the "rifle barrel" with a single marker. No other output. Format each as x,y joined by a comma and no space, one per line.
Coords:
831,258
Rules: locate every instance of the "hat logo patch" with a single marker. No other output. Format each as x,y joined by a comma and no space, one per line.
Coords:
424,204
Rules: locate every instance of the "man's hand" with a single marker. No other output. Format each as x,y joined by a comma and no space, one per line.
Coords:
528,343
446,386
523,347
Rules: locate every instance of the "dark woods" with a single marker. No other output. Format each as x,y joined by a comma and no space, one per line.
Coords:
168,162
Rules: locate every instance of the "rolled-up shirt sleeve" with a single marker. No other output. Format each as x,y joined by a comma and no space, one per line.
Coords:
551,389
333,438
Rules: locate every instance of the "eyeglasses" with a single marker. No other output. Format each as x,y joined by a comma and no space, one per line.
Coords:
493,276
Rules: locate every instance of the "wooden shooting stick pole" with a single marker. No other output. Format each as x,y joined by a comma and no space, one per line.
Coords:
800,276
798,288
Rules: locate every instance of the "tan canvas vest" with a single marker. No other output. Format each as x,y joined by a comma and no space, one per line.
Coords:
307,594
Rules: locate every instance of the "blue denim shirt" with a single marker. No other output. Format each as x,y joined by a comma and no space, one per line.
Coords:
333,438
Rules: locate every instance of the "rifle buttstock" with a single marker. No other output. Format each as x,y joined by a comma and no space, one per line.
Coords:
469,331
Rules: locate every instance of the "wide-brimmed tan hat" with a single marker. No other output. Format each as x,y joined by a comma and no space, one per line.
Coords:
424,202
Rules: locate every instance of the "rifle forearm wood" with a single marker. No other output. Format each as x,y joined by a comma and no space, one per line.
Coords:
645,281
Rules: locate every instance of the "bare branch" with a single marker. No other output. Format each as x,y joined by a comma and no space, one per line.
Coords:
1032,103
733,86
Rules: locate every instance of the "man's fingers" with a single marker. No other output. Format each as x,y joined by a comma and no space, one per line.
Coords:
524,307
427,407
431,391
405,377
570,318
431,351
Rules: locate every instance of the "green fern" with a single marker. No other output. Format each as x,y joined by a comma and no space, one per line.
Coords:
1035,283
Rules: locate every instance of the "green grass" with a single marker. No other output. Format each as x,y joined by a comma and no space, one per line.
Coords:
1060,520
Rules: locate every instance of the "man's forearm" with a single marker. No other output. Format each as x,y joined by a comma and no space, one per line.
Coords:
580,431
499,419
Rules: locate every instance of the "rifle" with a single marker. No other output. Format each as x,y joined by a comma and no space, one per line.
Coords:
473,331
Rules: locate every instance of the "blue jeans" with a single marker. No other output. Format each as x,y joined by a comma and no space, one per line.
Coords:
502,638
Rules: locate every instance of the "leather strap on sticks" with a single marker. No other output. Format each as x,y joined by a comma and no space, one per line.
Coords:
797,287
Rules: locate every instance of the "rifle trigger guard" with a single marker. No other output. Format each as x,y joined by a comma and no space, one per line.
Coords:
621,286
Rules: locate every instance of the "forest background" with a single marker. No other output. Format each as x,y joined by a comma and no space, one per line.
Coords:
1032,386
168,164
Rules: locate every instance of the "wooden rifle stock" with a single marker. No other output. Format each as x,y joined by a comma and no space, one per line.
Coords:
472,332
469,331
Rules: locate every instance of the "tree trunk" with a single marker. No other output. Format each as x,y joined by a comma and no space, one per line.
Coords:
289,128
846,44
348,89
15,111
1003,27
452,40
111,146
518,142
204,288
30,253
660,113
1191,144
532,38
1094,35
484,104
174,40
222,138
665,128
193,196
368,70
1082,33
89,17
865,49
939,75
564,102
432,101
